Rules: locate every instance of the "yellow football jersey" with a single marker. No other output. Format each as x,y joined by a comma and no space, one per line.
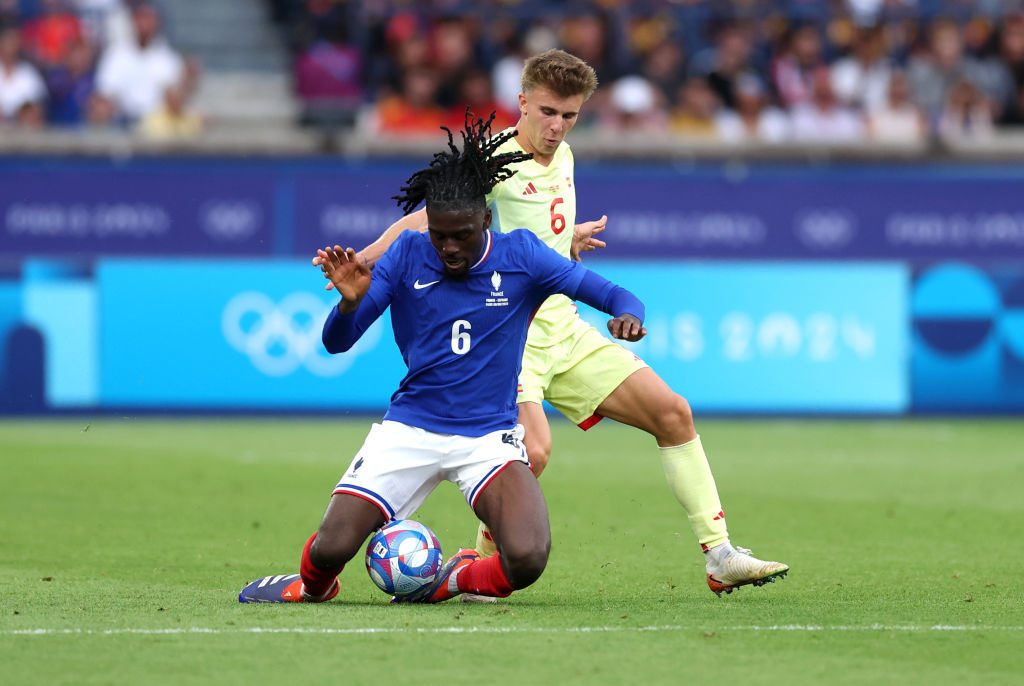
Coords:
543,200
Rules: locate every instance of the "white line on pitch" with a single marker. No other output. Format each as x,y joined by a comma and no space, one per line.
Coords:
911,628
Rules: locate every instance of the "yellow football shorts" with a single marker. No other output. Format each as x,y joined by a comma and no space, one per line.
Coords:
576,374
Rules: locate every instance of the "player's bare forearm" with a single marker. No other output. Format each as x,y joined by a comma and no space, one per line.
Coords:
347,274
626,327
583,237
417,221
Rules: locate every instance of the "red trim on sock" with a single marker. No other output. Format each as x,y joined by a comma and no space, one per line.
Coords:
485,577
316,581
590,421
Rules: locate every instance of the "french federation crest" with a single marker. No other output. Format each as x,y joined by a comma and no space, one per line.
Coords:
497,298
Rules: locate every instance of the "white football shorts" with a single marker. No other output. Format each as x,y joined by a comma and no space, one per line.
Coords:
400,465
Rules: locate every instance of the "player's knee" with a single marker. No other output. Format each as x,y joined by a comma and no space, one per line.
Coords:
527,563
675,421
539,452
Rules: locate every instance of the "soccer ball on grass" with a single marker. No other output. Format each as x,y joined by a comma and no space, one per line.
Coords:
403,557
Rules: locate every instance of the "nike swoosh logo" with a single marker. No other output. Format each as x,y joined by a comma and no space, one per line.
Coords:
419,285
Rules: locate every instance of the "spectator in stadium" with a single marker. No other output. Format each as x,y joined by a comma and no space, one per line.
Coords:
22,89
413,111
586,32
861,79
898,119
10,13
507,69
329,69
403,48
452,55
175,121
695,111
453,418
1013,115
567,362
723,64
135,76
664,66
106,22
939,65
799,56
967,113
754,118
823,119
634,106
48,36
477,94
72,85
1009,63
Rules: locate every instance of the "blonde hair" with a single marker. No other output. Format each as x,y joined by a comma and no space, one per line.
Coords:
564,74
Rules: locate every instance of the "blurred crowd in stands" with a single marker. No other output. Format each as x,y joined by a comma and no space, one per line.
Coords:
95,63
716,70
720,70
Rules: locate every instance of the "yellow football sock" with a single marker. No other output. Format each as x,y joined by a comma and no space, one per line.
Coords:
484,543
689,475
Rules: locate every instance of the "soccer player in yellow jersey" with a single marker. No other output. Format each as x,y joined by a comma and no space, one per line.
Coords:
584,375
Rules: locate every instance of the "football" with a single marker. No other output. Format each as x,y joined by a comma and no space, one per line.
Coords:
403,557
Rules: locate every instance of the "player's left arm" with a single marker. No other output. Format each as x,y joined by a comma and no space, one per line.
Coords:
583,237
557,275
627,310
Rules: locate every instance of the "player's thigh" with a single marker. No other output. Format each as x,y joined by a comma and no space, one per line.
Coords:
535,374
473,463
538,434
396,468
513,507
595,368
645,401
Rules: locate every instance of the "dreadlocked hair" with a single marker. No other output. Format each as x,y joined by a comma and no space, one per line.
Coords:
460,179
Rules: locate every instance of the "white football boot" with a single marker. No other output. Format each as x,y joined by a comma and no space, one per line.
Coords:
729,567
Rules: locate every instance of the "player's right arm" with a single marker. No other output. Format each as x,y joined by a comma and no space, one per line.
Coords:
345,272
416,221
364,296
583,237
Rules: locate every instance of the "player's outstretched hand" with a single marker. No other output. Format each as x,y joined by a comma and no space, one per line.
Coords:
583,237
626,327
318,261
345,272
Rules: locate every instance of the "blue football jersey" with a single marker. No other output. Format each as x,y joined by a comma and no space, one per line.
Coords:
462,339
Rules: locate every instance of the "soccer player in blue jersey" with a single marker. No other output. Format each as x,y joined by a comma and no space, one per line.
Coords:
461,299
569,363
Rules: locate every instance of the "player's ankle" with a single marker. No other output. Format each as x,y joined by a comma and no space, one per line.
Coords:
719,550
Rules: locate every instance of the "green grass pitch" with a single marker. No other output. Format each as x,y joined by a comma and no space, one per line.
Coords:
124,543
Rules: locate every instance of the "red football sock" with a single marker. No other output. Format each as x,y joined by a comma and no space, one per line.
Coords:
316,581
485,577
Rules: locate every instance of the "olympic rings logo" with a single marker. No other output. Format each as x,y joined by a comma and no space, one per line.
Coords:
279,338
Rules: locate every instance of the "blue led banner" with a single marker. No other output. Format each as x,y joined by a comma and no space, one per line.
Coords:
288,208
783,337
